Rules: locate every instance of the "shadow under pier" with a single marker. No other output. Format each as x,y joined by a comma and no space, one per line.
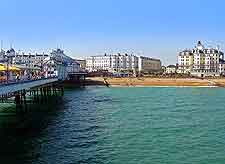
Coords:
21,135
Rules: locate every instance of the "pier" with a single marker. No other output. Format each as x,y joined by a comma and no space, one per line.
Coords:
39,90
39,80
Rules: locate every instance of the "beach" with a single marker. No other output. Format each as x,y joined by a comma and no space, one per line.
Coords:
145,81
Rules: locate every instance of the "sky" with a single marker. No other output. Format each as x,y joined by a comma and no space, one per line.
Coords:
154,28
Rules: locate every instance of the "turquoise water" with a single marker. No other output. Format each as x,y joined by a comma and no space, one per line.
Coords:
122,125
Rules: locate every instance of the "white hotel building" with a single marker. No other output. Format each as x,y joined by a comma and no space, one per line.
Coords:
125,62
29,59
22,58
201,61
112,63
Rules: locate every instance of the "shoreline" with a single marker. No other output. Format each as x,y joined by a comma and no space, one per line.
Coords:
155,82
161,86
151,86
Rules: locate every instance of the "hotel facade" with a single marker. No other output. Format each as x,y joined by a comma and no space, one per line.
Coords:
123,62
201,61
22,58
149,65
28,59
112,63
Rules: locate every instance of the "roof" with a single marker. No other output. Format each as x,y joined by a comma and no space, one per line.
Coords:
171,66
27,68
199,43
221,61
79,60
77,73
149,58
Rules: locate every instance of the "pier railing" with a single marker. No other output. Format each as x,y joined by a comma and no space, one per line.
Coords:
14,86
10,82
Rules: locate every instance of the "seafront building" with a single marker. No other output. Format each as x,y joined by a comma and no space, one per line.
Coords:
55,63
112,63
82,63
122,63
29,59
201,61
22,58
2,56
149,65
171,69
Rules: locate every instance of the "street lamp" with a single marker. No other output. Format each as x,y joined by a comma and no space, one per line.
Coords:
7,69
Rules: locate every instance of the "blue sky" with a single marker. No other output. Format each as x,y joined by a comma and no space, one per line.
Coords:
155,28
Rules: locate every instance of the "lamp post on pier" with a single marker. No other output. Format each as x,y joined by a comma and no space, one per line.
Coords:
7,69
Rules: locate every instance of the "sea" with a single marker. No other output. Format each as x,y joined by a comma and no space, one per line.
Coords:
119,125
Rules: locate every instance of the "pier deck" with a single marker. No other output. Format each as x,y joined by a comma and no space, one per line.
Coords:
17,86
